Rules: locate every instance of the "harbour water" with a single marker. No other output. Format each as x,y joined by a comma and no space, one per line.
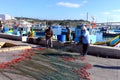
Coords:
58,30
98,34
100,38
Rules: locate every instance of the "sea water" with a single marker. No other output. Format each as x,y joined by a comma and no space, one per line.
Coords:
100,38
57,31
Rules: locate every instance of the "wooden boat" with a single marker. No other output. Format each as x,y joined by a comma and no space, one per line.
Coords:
5,47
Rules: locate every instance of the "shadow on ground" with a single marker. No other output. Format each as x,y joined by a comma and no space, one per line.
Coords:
107,67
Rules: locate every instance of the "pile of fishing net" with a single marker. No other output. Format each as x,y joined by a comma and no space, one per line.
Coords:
47,64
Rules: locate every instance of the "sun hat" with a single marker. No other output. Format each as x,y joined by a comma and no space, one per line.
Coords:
84,28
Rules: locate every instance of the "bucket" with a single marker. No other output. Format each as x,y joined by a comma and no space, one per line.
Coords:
61,38
5,29
76,39
24,38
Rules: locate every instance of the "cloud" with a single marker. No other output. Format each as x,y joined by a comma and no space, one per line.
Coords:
72,5
116,10
84,2
112,15
115,17
106,13
68,4
82,14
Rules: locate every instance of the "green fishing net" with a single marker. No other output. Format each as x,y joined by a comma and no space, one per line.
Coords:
48,64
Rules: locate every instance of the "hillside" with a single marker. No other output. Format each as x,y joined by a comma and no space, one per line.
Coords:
61,22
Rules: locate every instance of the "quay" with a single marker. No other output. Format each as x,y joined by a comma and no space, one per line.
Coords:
97,50
101,66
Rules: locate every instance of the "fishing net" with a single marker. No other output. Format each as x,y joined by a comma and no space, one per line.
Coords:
46,64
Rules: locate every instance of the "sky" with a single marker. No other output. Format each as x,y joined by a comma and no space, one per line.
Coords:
97,10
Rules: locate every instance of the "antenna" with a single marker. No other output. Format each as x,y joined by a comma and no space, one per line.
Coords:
93,18
93,22
87,16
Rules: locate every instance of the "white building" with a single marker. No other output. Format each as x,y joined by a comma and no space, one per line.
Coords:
110,24
4,17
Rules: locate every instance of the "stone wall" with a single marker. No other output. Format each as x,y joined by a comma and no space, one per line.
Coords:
8,36
98,50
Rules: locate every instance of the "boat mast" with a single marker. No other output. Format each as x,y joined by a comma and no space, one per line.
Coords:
87,16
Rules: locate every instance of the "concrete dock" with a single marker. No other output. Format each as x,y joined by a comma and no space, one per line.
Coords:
98,50
103,68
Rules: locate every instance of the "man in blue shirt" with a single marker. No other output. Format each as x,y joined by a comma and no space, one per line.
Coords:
85,38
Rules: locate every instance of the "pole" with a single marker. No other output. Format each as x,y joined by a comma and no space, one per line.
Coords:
87,16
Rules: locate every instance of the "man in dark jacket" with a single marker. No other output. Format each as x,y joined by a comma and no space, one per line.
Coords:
48,36
68,34
1,27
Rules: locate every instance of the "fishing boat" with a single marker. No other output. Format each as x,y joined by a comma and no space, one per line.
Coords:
6,47
112,33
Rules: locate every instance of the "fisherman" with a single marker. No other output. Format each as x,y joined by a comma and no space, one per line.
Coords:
68,34
48,36
31,33
85,38
1,27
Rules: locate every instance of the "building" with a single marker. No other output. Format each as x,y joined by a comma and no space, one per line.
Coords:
5,17
115,25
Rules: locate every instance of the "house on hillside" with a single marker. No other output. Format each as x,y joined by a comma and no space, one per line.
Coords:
5,17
